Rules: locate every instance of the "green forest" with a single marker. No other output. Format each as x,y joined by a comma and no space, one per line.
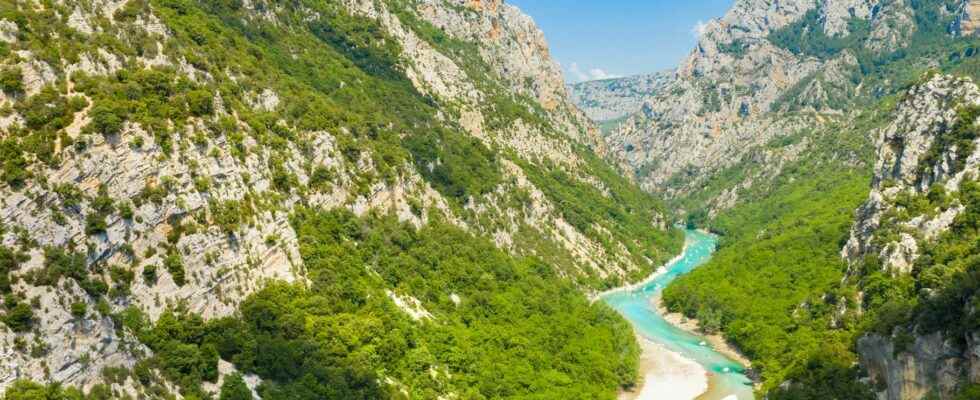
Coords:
497,326
777,258
777,283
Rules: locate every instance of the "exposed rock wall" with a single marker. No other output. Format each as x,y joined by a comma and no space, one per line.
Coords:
223,266
885,229
612,99
733,91
932,365
928,111
969,22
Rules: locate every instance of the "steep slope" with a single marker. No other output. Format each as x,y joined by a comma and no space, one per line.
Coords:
163,161
913,250
807,289
768,137
611,100
773,69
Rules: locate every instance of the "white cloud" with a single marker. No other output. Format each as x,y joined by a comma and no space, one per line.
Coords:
699,29
599,73
577,75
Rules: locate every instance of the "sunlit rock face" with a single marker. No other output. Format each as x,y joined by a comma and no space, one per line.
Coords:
907,167
741,87
179,193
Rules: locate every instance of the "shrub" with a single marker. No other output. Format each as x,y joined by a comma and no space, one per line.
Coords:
60,263
106,120
321,178
95,287
79,309
95,224
228,214
11,81
150,274
200,103
27,390
19,318
234,388
9,262
175,266
126,211
13,165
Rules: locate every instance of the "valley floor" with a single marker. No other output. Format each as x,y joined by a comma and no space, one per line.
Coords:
716,341
666,375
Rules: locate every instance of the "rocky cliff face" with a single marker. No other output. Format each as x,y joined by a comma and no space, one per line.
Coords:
969,23
907,166
516,49
613,99
915,200
760,63
934,365
196,211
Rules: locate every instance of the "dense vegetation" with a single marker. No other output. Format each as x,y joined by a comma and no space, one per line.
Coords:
777,259
878,73
778,282
625,214
940,295
499,327
806,36
779,256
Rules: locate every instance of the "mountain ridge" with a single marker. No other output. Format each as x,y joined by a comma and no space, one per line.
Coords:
163,160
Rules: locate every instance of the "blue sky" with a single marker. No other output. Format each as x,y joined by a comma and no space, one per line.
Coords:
594,39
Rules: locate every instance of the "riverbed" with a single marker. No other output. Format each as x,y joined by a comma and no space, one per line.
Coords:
725,377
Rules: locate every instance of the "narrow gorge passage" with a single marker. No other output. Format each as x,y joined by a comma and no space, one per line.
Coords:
726,378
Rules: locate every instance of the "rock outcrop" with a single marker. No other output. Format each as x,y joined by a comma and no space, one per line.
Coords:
931,365
207,208
969,21
890,230
613,99
928,112
751,79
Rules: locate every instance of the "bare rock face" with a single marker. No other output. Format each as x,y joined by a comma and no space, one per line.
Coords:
969,22
513,45
731,93
613,99
927,111
931,364
177,194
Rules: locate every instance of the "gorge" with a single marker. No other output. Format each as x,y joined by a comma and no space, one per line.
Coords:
725,377
402,199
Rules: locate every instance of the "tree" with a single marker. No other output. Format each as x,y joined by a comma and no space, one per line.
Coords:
234,388
11,81
200,103
709,320
106,120
175,266
27,390
79,309
19,318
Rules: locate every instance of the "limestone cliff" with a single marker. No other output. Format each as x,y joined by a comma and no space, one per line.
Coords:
764,70
613,99
915,200
195,211
905,167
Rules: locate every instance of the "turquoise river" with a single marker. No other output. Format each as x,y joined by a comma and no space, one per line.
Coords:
726,378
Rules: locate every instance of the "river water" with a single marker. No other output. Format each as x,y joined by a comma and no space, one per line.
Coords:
727,380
